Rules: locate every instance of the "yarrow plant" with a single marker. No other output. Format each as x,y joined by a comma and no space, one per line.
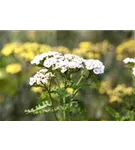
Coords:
61,77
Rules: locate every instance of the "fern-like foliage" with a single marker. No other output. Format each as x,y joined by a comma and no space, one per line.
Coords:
44,107
127,116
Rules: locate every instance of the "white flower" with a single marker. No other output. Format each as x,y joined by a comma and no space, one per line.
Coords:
32,81
44,81
69,56
99,70
72,65
89,64
36,60
74,61
49,62
129,60
97,63
59,65
96,71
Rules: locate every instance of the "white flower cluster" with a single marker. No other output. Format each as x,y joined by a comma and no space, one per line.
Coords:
39,58
64,62
129,60
58,61
96,65
41,77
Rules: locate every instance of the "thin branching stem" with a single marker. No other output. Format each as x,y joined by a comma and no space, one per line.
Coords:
48,90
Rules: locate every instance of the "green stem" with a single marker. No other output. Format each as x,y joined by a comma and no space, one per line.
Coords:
79,81
64,112
52,102
76,91
64,100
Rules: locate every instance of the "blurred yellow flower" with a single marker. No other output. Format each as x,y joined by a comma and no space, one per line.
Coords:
126,49
114,98
129,91
44,48
9,49
90,55
70,90
85,45
13,68
104,46
117,93
105,87
36,89
26,51
90,50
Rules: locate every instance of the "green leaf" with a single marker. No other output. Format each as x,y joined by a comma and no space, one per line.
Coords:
62,92
75,86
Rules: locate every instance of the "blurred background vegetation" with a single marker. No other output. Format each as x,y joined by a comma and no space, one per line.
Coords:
18,48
